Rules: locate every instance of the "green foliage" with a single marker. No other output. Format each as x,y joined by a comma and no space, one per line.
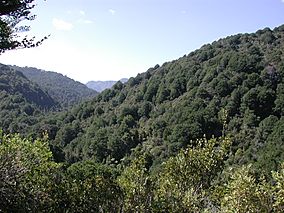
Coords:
26,177
196,180
279,189
185,181
12,12
31,181
270,154
233,87
244,194
15,83
171,105
136,185
21,101
91,187
62,89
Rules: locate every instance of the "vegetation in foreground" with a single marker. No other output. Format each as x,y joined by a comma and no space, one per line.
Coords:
137,146
195,180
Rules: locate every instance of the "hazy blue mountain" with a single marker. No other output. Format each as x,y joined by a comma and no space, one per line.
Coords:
102,85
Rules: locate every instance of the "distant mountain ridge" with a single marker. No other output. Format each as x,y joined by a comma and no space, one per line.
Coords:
102,85
66,91
14,82
21,100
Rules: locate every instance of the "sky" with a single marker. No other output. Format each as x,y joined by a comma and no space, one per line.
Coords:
114,39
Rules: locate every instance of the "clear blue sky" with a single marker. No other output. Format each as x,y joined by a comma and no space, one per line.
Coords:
112,39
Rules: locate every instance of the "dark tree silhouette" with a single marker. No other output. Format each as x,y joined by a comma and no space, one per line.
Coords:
12,12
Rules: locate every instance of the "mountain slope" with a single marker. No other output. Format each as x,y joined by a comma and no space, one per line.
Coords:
234,85
102,85
62,89
20,100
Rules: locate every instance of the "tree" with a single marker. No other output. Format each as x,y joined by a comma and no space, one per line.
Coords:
136,185
90,187
12,12
26,174
244,194
279,189
185,181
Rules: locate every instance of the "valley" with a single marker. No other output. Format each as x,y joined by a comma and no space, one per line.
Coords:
191,135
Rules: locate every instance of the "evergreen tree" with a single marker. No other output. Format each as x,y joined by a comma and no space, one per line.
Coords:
12,12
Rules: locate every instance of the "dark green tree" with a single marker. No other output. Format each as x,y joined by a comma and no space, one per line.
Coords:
91,187
26,174
12,12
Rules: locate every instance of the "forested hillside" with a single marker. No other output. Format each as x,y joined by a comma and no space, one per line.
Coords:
203,133
20,100
62,89
233,86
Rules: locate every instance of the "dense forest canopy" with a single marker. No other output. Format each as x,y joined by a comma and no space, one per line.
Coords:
195,180
203,133
21,101
237,80
62,89
28,94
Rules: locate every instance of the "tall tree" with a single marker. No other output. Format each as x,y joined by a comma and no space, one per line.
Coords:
12,12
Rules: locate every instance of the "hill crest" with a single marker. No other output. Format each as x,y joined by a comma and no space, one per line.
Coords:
62,89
